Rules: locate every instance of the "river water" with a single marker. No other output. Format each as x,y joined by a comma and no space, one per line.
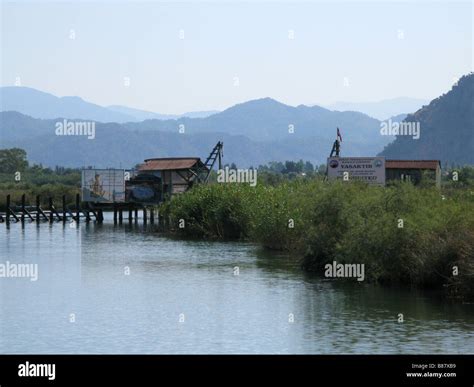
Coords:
128,289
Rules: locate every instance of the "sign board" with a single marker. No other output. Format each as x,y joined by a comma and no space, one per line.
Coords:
103,185
368,169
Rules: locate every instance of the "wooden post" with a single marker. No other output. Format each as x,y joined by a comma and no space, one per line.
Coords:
99,215
120,215
51,212
24,211
136,214
78,209
115,213
64,209
152,215
129,213
87,213
38,209
22,208
144,215
8,210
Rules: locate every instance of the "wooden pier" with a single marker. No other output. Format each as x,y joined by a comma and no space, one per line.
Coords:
133,211
78,212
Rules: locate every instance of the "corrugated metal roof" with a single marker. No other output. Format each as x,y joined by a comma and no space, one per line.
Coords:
169,163
411,164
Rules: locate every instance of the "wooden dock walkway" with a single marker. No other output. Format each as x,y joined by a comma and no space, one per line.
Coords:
77,213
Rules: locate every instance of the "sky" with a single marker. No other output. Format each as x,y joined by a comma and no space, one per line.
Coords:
189,56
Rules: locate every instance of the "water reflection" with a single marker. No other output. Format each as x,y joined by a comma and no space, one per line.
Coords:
132,290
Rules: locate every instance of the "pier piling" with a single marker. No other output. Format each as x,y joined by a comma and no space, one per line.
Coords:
78,208
7,215
37,209
22,208
51,211
64,209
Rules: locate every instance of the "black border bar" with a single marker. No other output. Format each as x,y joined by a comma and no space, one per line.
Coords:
317,370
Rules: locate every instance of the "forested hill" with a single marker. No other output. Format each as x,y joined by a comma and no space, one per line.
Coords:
446,128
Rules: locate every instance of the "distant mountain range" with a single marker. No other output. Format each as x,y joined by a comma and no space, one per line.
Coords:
254,132
142,115
446,128
269,120
384,109
39,104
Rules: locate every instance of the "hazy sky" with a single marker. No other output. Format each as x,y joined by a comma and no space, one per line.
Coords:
208,55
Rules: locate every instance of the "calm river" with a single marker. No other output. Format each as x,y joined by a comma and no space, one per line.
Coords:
126,289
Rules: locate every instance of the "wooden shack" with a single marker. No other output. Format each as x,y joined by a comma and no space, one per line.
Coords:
175,174
413,170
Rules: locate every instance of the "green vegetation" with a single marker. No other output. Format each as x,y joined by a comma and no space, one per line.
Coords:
274,173
18,178
459,177
403,234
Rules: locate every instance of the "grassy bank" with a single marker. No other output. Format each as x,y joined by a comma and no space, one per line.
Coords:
402,234
32,183
55,191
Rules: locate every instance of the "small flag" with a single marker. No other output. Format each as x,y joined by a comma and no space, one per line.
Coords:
339,135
